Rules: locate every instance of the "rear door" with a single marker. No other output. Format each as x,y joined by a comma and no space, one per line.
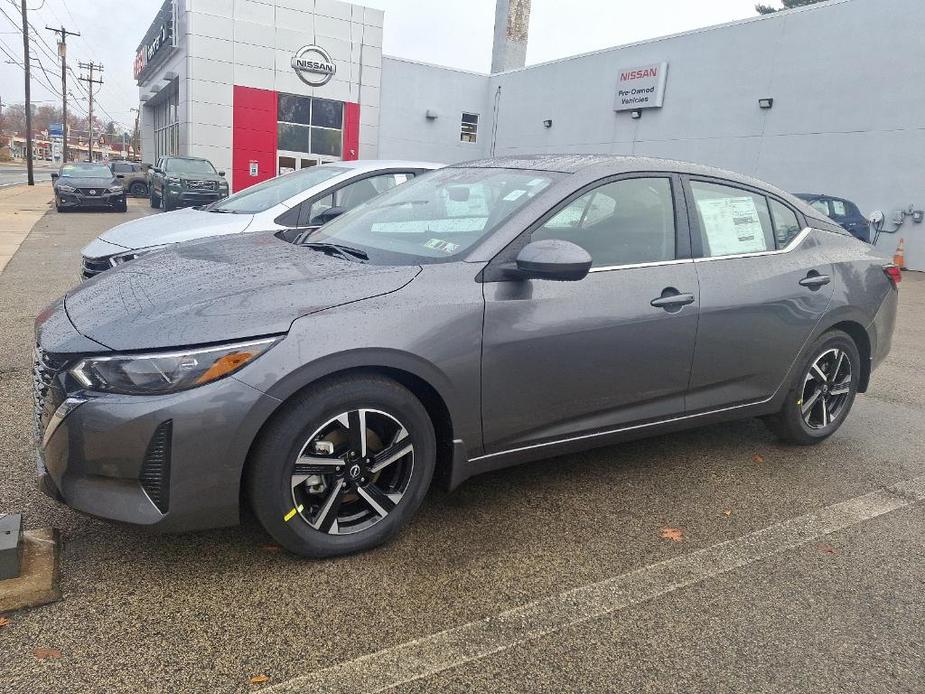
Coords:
567,358
764,285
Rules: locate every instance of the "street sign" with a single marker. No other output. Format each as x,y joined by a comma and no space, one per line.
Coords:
56,129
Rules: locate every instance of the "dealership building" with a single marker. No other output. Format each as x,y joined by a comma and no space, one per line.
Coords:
822,99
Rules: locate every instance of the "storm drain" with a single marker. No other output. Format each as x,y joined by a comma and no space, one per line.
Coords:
155,471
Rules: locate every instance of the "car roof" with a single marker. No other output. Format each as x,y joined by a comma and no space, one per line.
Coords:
601,165
376,164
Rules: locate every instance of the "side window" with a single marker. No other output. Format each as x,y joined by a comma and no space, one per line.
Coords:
290,218
786,224
619,223
732,220
311,211
838,208
822,206
355,194
118,167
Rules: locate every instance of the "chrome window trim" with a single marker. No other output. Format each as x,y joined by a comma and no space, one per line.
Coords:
632,266
619,430
795,242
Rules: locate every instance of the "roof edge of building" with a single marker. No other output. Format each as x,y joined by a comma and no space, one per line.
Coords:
424,63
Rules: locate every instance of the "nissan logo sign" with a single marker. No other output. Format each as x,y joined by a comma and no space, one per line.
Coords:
313,65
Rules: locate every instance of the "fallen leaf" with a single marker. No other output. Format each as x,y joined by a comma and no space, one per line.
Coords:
758,458
45,653
727,512
259,679
673,534
3,622
828,549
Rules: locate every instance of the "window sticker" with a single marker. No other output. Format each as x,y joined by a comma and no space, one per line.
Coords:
514,195
732,225
441,245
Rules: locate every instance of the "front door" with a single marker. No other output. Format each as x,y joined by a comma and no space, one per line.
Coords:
566,358
764,286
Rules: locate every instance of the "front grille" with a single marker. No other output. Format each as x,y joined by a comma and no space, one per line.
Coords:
95,192
90,267
47,393
200,185
155,470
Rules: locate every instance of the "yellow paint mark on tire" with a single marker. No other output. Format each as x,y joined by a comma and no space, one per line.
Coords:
288,517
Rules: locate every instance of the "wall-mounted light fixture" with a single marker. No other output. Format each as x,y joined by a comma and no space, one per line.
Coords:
766,103
430,114
637,114
547,123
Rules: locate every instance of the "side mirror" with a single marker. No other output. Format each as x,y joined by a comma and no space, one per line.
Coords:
553,259
876,220
54,176
157,170
327,215
221,173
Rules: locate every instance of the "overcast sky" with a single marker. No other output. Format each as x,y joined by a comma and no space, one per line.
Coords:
457,33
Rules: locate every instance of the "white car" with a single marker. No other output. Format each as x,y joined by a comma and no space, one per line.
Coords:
296,201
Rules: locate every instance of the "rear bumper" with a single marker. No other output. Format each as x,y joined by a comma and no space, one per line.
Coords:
170,462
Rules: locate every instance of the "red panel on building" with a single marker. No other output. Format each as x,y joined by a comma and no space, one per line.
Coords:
351,131
253,135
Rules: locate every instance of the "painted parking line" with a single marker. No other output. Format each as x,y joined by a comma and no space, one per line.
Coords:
435,653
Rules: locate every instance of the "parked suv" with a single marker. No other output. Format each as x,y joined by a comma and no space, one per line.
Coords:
183,181
843,212
132,176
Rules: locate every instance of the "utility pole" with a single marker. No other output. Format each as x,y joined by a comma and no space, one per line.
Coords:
62,53
26,61
135,147
91,66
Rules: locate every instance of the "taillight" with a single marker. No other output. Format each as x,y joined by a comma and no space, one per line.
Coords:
894,273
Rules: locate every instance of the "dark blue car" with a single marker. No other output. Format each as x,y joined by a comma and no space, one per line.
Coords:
844,212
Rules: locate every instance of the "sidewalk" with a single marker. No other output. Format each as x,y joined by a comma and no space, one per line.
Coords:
20,208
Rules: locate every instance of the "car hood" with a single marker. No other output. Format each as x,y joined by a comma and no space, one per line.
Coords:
173,227
87,181
213,291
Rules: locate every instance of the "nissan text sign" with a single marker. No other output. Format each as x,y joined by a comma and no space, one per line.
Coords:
641,87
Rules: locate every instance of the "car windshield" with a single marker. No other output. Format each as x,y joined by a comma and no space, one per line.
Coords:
190,166
85,171
263,196
435,218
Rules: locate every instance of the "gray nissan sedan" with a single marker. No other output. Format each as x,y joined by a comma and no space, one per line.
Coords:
480,316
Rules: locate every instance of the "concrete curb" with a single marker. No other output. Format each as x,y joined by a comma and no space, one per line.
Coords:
38,582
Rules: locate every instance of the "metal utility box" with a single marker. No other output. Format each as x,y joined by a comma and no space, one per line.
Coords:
10,538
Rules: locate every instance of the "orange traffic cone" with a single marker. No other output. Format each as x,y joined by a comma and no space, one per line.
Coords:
899,257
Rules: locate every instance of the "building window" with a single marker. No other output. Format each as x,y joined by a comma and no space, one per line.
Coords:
469,129
167,124
311,126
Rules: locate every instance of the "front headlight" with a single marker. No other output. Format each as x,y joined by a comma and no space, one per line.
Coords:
132,255
65,188
171,181
157,373
115,189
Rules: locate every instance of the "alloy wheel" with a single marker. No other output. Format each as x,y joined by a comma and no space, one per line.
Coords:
826,389
351,472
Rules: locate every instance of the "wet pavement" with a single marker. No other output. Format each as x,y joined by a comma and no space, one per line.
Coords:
208,611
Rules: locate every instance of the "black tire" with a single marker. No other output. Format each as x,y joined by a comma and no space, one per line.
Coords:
155,201
122,207
138,189
168,205
792,424
269,483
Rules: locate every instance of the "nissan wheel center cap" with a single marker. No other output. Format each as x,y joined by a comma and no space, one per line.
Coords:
313,65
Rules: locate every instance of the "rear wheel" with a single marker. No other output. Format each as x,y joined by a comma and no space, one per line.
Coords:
822,394
343,467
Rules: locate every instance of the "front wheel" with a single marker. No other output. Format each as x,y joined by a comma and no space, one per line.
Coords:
343,467
155,201
822,394
138,189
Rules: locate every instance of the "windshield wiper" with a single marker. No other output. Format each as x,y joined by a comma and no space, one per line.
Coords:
221,210
346,252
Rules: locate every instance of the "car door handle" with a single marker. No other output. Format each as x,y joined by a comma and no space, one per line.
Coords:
672,300
815,281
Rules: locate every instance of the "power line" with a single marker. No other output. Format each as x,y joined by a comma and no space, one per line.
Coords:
91,66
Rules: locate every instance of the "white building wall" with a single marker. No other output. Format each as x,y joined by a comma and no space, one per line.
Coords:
848,116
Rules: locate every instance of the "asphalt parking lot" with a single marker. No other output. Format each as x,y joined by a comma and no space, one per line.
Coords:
557,576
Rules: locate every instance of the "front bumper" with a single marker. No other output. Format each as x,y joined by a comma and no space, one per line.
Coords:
78,199
183,198
173,462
